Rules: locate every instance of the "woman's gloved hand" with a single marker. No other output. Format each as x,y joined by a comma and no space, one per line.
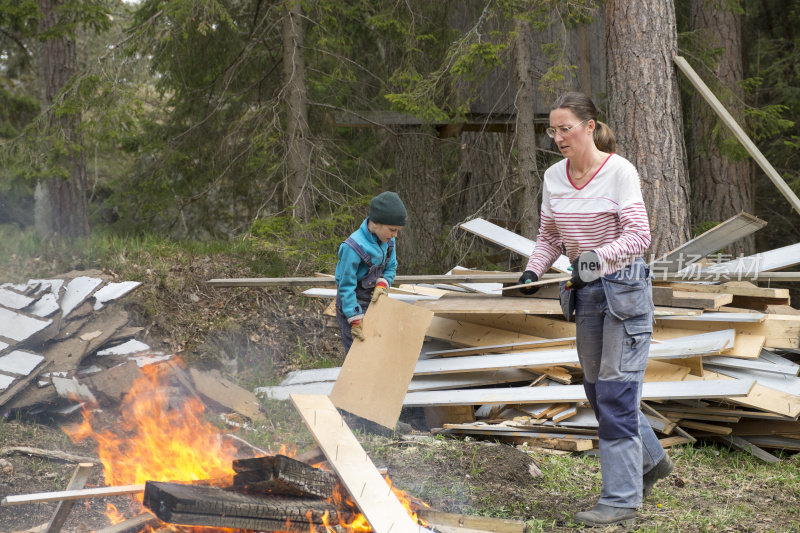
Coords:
529,276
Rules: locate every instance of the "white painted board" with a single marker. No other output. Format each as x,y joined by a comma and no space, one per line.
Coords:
5,381
76,293
19,327
14,300
665,390
45,306
129,347
761,262
20,362
112,291
331,293
508,239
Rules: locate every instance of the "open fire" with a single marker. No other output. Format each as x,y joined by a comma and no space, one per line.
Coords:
157,441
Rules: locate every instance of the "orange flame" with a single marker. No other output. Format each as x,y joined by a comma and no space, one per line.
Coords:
155,441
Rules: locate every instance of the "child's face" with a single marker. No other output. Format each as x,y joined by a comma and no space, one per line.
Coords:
386,233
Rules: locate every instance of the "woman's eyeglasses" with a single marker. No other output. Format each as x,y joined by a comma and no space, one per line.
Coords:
563,130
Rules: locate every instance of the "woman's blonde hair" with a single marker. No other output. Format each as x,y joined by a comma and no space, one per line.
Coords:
583,108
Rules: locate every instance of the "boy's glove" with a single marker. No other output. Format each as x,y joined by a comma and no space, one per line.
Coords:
529,276
585,269
381,288
356,331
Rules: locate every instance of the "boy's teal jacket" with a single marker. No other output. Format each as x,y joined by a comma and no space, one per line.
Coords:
350,268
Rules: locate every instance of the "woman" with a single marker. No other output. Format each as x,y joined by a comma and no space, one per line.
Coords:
592,206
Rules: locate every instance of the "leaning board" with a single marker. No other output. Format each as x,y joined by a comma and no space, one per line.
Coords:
374,497
376,372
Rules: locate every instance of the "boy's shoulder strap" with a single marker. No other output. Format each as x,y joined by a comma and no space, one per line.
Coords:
351,242
389,252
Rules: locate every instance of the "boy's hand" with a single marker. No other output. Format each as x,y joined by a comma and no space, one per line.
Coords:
356,331
381,288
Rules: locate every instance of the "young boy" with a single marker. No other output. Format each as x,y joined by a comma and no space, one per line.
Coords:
367,263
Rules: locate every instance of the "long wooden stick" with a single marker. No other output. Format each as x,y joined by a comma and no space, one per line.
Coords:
738,132
58,496
510,277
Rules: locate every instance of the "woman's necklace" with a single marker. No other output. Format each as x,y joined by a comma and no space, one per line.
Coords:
586,172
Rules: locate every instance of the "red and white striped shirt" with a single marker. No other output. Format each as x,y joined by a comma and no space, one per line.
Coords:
606,215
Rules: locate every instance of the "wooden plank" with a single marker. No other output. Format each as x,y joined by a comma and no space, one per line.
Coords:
382,509
131,525
674,441
737,130
500,277
475,523
463,332
213,386
377,371
510,240
708,428
79,478
760,397
744,445
703,344
78,494
718,237
764,261
698,300
733,288
490,304
722,388
781,331
746,364
715,316
568,342
526,327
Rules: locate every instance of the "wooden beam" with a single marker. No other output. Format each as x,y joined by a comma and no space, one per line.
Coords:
374,497
78,481
78,494
749,447
738,132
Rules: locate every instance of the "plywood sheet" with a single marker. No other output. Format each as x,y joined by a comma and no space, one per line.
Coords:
465,333
377,371
355,469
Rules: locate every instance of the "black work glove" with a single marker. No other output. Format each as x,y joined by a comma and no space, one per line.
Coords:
585,269
529,276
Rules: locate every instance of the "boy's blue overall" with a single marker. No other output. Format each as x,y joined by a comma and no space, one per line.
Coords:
614,323
369,273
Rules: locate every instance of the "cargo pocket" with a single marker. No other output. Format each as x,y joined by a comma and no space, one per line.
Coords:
636,346
628,298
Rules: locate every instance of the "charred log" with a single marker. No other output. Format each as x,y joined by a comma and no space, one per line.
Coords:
203,505
282,475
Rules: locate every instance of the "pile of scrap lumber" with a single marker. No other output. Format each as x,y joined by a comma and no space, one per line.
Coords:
723,363
68,341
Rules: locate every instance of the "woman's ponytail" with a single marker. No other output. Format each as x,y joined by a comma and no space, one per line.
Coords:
604,138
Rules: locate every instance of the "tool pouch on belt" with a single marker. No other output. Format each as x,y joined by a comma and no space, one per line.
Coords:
629,294
567,299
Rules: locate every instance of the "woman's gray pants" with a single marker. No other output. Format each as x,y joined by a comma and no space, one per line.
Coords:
613,354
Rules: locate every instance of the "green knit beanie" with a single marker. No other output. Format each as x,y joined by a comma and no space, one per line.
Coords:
387,208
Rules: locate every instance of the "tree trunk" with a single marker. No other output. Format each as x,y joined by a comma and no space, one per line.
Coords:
62,207
645,111
418,166
526,132
721,188
298,147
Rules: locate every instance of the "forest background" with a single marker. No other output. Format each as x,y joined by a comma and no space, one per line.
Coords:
270,124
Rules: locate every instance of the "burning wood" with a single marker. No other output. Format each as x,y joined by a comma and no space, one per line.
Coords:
282,475
200,505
